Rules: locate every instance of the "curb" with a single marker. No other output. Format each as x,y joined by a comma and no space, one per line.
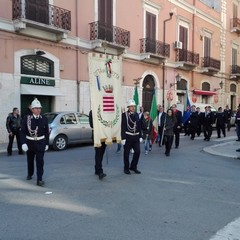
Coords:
214,150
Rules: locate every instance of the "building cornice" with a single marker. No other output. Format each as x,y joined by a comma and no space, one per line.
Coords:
199,13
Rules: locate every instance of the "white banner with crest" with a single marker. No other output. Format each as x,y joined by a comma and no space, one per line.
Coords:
105,76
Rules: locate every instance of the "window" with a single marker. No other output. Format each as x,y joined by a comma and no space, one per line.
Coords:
37,65
207,47
70,118
183,37
83,119
234,56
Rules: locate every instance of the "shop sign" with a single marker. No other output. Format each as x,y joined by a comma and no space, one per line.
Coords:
38,81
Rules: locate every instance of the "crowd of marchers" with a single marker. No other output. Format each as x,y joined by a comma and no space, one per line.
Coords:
32,133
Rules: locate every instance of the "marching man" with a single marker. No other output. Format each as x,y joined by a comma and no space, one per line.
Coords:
35,139
131,137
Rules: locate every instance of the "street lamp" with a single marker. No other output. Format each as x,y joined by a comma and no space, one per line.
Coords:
178,79
221,86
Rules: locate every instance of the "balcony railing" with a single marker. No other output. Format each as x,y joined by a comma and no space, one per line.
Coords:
109,33
51,15
148,45
235,69
183,55
209,62
235,23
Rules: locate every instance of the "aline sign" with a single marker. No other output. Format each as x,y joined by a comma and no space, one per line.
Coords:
38,81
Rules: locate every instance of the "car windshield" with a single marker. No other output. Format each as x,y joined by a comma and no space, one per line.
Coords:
50,117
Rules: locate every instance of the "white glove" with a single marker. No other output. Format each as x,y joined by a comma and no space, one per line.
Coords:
123,142
25,147
46,148
140,140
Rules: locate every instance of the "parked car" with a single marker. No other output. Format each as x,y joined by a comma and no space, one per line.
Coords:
68,128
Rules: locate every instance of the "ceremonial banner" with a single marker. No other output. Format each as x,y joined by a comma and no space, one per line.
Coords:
105,76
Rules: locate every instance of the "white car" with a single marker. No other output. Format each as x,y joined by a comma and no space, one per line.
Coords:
68,128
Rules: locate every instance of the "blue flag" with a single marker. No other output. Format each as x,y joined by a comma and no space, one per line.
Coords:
187,109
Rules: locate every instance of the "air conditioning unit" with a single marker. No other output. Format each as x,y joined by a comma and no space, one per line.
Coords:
178,45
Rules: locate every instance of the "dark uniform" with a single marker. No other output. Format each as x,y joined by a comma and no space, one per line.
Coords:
220,123
228,114
35,133
207,121
177,127
131,132
99,152
13,125
193,124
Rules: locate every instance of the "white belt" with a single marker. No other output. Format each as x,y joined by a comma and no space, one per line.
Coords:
133,134
35,138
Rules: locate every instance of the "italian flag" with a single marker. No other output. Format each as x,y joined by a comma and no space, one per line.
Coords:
153,115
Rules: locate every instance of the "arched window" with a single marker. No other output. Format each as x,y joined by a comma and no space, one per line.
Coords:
233,88
148,88
206,86
37,65
182,85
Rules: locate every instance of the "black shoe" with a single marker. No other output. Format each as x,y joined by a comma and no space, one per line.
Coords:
218,137
208,139
167,154
238,140
238,150
9,154
205,139
126,171
40,183
28,177
20,153
176,146
192,138
102,175
135,170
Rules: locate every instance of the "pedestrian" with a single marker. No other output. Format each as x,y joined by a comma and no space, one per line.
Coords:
221,120
161,118
99,153
193,122
237,123
170,122
13,125
131,137
119,147
207,121
199,123
140,114
228,114
147,133
178,124
35,139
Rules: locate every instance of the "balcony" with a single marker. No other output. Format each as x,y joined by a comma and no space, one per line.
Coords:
186,60
42,20
210,66
154,51
235,25
235,72
109,38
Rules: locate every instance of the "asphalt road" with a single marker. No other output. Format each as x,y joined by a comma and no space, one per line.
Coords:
187,196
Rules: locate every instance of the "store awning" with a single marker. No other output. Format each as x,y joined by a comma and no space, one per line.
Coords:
202,92
27,89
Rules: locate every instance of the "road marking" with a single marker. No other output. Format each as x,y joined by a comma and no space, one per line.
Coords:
229,232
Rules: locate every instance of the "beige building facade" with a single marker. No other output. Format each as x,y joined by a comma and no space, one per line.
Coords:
172,48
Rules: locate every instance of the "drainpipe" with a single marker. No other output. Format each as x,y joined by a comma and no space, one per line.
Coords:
77,60
164,40
193,39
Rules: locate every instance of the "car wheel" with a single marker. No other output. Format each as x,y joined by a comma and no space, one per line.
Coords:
60,143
